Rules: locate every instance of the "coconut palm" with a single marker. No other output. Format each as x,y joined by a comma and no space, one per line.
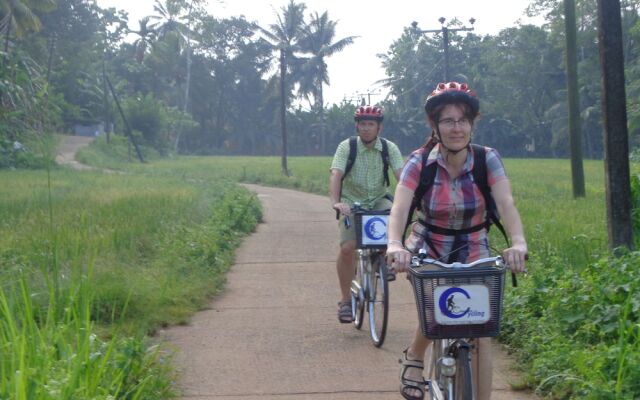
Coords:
318,40
170,23
283,37
146,36
19,16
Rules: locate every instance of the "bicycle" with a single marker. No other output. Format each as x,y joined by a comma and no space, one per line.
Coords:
456,303
370,287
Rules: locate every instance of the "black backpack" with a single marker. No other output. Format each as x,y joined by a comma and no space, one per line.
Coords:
427,176
353,152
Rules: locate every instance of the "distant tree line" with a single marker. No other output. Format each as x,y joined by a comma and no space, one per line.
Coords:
196,84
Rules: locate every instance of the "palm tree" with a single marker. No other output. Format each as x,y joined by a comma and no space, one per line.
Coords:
318,41
19,16
146,35
166,17
283,36
169,24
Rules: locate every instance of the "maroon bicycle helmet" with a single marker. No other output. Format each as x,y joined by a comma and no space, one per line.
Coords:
449,93
368,113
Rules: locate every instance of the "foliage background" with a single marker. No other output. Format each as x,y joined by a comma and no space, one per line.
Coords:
196,84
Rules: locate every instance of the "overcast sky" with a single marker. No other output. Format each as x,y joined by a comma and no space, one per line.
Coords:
377,23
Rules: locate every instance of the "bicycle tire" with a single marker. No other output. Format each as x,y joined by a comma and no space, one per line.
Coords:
432,370
358,302
378,300
463,383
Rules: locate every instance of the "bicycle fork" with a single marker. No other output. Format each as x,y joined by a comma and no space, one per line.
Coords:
359,285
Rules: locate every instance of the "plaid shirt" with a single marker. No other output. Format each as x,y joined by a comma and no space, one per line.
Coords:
365,181
451,203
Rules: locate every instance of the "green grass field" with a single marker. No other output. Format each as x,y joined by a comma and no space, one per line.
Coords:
170,227
542,189
93,263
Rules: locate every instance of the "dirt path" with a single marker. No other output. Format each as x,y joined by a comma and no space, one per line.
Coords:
67,149
273,333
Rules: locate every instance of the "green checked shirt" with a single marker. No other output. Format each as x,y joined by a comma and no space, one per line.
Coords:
365,181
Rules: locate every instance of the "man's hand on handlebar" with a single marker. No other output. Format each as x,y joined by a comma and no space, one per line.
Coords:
342,208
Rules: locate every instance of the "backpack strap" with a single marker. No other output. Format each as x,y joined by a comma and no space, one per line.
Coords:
480,179
353,151
427,176
385,160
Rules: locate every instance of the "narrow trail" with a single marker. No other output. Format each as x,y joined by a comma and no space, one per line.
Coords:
67,149
273,333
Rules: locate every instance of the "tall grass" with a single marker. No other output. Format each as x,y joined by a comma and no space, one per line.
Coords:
59,355
92,263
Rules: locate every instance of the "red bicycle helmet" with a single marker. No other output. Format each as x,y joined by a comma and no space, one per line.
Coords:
368,113
449,93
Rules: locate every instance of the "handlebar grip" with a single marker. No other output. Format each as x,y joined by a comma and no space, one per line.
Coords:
337,214
347,221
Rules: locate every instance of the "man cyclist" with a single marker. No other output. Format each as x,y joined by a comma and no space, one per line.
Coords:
363,182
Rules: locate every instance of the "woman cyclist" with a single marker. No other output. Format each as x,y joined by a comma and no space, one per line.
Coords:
451,216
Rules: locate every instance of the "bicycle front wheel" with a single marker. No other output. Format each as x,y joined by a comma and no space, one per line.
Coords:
463,384
437,387
378,300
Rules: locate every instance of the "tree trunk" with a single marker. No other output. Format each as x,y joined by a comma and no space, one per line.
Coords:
6,38
105,99
323,131
614,111
575,137
188,82
283,112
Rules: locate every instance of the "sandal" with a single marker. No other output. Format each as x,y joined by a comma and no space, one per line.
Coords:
344,312
406,383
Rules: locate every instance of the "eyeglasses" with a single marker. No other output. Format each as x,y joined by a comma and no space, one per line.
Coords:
450,123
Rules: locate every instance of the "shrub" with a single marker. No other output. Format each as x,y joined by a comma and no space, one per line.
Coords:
148,116
635,207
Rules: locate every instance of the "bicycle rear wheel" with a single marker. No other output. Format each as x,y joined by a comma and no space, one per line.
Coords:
357,294
378,299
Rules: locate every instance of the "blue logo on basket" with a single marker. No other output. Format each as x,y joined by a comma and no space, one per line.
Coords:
376,228
448,305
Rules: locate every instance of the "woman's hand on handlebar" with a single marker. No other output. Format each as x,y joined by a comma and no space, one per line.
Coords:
515,257
342,208
398,257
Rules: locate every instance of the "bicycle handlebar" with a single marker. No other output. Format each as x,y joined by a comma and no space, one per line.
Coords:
497,261
357,207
